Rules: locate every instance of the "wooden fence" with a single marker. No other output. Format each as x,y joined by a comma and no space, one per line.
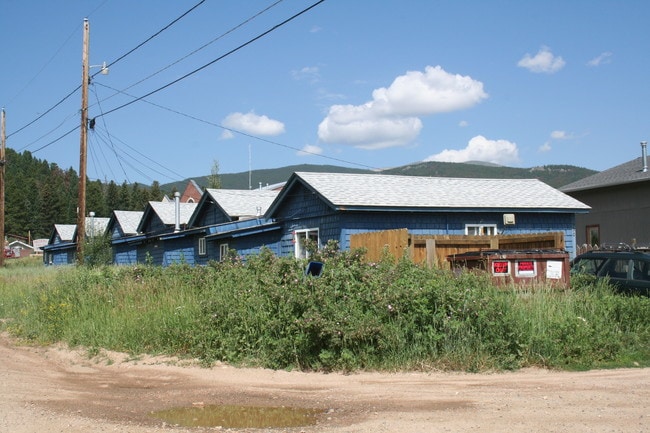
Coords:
434,249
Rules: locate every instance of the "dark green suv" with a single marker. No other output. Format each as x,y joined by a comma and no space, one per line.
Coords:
629,271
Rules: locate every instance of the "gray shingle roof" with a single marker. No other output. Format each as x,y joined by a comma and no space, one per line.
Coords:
243,202
378,190
128,220
95,226
628,172
166,211
65,231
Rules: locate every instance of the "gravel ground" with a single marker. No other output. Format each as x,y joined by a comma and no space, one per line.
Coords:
54,389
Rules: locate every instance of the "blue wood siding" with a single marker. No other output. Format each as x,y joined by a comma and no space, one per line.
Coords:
125,254
117,232
210,214
178,250
62,257
150,251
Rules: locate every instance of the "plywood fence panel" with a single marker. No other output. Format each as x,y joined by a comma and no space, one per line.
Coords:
395,241
434,249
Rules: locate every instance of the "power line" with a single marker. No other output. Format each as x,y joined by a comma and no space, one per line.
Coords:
203,46
207,122
234,50
153,36
46,112
143,156
107,133
57,139
112,63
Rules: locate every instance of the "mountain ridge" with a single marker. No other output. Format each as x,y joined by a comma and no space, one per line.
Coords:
553,175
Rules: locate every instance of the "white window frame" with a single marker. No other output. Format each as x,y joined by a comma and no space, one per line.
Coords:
529,273
299,237
202,247
481,229
497,264
223,251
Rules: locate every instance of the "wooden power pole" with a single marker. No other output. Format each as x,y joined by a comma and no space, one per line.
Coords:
3,163
81,208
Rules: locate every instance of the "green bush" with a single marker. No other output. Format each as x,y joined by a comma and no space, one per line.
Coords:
389,315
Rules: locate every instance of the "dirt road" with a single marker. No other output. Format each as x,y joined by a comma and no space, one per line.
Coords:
57,390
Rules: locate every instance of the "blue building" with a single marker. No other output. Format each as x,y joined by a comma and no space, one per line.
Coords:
61,248
227,219
162,237
123,230
333,206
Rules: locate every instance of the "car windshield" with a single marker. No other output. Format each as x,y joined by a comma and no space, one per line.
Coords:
587,265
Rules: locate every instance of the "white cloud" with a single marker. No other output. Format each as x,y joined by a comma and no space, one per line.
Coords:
463,123
391,118
560,135
310,73
601,59
563,135
546,147
544,61
227,135
310,149
479,148
251,123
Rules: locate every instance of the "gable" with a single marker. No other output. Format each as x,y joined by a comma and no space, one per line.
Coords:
299,201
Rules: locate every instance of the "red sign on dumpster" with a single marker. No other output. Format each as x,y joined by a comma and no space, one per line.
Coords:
526,268
500,267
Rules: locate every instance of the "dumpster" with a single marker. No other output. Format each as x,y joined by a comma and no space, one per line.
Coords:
517,267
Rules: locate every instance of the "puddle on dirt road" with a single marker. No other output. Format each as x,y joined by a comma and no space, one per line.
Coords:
238,416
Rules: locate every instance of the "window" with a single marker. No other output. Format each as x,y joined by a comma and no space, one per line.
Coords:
481,229
301,240
641,270
593,235
202,248
223,251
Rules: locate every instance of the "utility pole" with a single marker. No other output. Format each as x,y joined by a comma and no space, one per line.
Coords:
81,207
3,140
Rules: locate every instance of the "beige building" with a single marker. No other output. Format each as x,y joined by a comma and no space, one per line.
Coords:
620,205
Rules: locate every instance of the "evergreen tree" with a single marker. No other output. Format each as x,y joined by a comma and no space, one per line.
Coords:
95,201
112,197
155,193
125,202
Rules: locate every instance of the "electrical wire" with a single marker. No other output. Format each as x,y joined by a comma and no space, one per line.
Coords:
245,134
142,156
99,105
152,36
45,113
102,114
202,46
112,63
234,50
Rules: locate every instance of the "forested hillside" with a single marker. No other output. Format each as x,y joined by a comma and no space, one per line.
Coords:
39,194
553,175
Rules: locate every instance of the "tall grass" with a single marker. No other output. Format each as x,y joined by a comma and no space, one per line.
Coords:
357,315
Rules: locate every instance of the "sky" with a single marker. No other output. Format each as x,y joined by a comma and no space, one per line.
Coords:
261,84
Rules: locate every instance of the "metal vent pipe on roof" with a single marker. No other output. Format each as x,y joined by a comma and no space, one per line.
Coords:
177,211
644,155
